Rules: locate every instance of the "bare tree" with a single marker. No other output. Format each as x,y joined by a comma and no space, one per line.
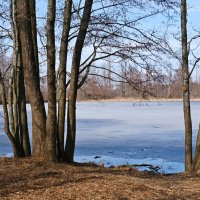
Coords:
51,79
62,77
76,60
190,165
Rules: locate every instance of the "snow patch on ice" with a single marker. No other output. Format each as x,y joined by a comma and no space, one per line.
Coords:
164,165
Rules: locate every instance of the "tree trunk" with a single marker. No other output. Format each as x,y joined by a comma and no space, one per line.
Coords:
196,162
76,59
51,79
10,105
62,77
186,89
34,30
15,86
31,77
23,122
10,89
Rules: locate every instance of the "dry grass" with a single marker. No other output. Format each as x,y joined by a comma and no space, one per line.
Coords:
33,179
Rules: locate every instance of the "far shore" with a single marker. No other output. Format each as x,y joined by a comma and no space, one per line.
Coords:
139,100
132,100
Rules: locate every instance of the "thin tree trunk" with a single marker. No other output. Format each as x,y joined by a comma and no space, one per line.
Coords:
186,89
51,79
10,89
62,77
10,105
15,74
16,66
196,162
23,122
76,59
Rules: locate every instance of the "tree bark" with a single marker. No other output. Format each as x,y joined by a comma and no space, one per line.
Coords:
196,162
76,59
34,30
51,79
186,89
62,77
15,86
10,106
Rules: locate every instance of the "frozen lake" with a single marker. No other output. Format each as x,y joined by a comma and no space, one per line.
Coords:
118,133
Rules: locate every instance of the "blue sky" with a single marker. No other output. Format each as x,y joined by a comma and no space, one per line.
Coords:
193,13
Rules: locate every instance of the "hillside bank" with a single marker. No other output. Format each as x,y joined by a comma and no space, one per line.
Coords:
33,179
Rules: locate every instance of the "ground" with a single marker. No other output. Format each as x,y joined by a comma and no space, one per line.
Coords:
33,179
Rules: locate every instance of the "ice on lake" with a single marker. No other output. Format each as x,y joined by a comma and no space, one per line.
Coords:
118,133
